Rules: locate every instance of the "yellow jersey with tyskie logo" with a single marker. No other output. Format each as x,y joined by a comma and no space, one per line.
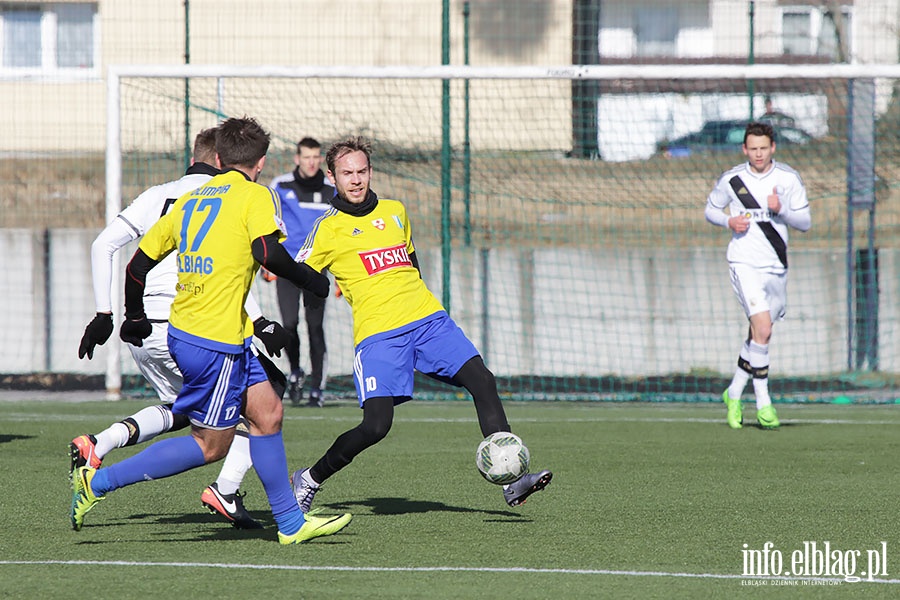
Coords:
212,228
369,258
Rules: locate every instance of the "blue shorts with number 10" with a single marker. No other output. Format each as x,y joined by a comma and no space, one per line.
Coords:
214,382
385,363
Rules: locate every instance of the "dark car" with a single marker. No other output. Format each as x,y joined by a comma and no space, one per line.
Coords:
726,136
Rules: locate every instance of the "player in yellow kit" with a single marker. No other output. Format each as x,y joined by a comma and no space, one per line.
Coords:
398,324
222,232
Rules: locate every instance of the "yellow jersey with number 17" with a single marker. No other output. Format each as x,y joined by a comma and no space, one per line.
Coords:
369,258
212,228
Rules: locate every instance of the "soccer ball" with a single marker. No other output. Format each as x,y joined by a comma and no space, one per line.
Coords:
502,458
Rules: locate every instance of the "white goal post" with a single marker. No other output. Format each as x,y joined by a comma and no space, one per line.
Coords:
515,111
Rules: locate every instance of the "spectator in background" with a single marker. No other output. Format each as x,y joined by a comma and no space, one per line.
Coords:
305,195
775,117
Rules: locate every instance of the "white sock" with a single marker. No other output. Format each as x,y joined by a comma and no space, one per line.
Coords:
150,422
114,436
759,359
237,463
741,377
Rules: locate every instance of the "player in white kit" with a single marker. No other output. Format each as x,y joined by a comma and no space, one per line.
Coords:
758,200
153,358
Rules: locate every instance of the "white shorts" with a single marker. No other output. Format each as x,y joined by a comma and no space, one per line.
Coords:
759,291
157,365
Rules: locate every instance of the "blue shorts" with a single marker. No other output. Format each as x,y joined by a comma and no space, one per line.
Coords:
214,383
384,367
257,372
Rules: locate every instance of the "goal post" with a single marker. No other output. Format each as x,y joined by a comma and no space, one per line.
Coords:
579,278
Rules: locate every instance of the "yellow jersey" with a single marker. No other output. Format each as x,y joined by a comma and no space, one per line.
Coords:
212,228
369,258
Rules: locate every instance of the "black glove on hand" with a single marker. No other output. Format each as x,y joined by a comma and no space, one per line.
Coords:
135,331
96,333
271,334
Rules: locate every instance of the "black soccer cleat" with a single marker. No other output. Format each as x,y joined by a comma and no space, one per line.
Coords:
517,492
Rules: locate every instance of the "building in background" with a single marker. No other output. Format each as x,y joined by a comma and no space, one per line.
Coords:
54,55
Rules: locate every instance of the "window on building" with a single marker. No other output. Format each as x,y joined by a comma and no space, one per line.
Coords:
817,31
46,38
656,31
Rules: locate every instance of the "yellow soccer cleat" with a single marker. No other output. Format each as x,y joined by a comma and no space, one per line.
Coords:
768,418
316,527
734,417
83,498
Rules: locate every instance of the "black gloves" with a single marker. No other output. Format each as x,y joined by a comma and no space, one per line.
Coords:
135,331
271,334
96,333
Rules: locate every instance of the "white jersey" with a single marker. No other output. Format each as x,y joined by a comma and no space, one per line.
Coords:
753,247
152,358
132,223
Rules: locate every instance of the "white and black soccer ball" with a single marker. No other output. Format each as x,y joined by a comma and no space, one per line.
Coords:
502,458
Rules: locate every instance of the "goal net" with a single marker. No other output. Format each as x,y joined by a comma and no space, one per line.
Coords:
559,212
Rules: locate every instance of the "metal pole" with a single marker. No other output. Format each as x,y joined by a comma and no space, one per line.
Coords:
48,304
872,297
586,16
467,151
851,274
113,206
187,86
445,158
751,58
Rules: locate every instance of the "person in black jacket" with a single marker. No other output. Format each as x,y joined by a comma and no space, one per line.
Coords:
305,195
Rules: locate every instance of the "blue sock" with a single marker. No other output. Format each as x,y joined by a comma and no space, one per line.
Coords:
270,462
162,459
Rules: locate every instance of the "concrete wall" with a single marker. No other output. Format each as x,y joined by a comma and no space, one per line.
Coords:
549,311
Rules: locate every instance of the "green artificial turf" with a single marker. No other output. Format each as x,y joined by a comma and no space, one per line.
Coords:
647,501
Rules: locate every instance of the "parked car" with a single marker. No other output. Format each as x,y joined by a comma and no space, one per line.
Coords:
725,136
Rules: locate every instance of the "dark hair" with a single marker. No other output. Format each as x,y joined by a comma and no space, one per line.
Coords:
308,143
757,128
351,144
241,142
205,146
